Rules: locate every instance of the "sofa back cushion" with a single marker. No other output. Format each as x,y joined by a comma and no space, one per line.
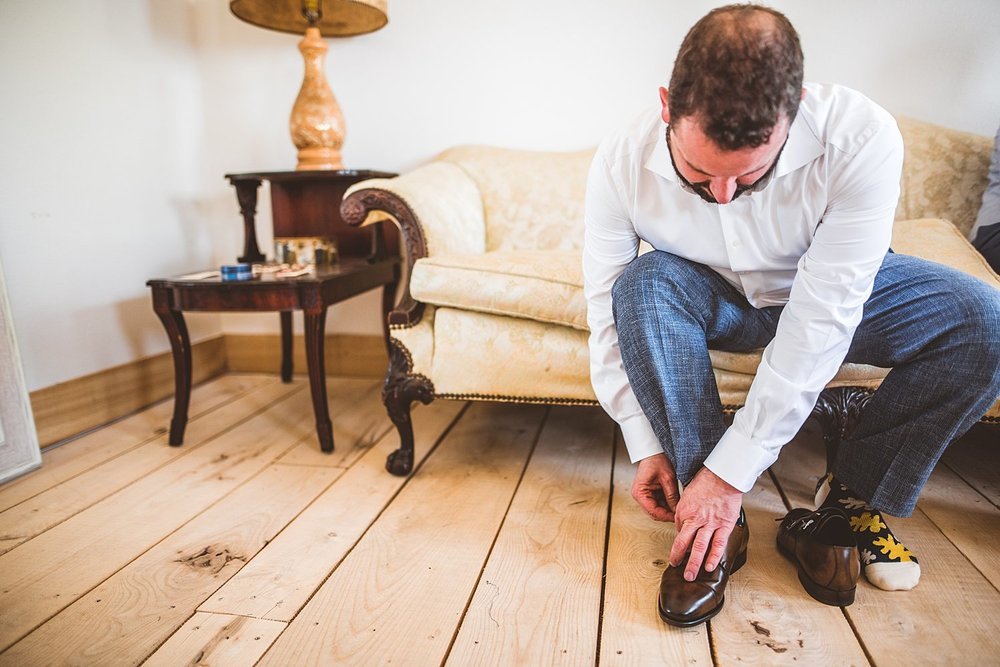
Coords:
534,199
944,173
531,199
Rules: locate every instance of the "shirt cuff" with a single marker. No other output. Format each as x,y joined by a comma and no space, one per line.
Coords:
739,460
640,441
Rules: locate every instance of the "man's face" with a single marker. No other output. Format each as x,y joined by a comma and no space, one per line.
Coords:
716,175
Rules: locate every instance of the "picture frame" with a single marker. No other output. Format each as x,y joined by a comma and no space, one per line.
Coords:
19,450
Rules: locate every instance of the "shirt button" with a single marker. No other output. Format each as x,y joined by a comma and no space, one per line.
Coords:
736,244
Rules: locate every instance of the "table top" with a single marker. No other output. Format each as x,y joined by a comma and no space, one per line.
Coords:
347,266
312,175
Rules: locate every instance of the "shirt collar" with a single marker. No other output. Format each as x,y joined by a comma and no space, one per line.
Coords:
802,148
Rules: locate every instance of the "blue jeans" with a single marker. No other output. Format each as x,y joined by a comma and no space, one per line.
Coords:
936,327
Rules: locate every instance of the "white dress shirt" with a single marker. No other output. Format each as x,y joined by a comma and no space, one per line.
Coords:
811,240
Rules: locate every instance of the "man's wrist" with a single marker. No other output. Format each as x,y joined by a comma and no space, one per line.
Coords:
719,482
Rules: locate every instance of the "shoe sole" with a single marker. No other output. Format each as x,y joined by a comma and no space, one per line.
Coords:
830,596
738,562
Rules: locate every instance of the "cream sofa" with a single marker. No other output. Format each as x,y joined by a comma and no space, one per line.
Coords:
491,304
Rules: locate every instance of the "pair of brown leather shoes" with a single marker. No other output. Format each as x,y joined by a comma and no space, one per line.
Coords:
686,603
823,545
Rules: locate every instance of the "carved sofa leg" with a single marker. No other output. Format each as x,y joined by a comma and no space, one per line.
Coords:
400,390
838,410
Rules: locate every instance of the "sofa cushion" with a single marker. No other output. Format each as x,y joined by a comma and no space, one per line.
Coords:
533,200
547,285
944,173
541,285
939,241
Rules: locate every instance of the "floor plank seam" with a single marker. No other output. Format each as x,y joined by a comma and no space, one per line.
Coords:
857,635
496,536
167,638
159,433
139,555
361,536
615,434
970,484
713,650
957,548
186,452
781,492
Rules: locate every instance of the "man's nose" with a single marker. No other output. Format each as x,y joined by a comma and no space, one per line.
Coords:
723,189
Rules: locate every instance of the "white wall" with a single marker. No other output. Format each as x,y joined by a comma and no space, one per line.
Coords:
100,125
159,100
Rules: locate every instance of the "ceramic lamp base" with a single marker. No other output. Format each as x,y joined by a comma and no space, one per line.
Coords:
316,123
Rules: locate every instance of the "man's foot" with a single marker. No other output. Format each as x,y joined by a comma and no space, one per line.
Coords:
885,562
685,603
823,547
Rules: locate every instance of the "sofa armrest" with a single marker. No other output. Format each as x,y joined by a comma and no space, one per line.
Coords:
438,209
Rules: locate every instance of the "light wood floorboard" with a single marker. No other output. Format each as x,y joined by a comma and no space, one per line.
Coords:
399,595
217,639
60,464
632,633
515,542
537,599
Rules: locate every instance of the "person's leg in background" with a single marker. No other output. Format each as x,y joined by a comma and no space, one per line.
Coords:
985,234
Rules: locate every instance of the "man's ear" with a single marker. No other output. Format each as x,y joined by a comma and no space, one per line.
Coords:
665,106
803,94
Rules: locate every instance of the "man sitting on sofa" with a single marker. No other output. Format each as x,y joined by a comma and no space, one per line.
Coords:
769,205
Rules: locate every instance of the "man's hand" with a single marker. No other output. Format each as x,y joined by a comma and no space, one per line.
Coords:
705,517
655,487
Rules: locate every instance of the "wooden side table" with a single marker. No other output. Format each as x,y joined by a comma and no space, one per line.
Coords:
310,293
303,203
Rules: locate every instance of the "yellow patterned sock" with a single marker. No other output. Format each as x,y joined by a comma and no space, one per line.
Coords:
886,562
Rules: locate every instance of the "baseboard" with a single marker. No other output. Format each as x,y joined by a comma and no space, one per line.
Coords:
345,354
83,403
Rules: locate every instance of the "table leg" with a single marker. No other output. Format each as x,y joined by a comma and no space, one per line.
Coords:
315,321
286,346
180,346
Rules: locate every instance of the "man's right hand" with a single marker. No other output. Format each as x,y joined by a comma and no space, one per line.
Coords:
655,487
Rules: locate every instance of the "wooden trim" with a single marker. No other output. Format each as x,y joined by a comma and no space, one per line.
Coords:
80,404
346,355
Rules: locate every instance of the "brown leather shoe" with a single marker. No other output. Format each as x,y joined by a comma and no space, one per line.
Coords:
685,603
823,546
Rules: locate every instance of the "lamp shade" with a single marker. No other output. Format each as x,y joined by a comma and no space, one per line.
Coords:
337,18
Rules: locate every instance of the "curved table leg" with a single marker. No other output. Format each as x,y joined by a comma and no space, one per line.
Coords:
286,346
315,321
180,346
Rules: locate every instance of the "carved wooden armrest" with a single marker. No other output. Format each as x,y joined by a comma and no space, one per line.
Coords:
438,210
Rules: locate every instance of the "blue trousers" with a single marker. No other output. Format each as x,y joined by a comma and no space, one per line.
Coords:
936,327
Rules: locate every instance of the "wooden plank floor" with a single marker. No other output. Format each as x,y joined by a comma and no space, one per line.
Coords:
516,542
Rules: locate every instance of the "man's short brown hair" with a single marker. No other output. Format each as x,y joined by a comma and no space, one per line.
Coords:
738,71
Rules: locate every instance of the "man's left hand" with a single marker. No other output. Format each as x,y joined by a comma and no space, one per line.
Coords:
705,516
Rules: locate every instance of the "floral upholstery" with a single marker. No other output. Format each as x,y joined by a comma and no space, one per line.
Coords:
504,314
944,173
545,286
532,200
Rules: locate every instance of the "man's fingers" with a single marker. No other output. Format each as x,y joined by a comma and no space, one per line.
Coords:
698,549
682,543
648,503
718,548
670,494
